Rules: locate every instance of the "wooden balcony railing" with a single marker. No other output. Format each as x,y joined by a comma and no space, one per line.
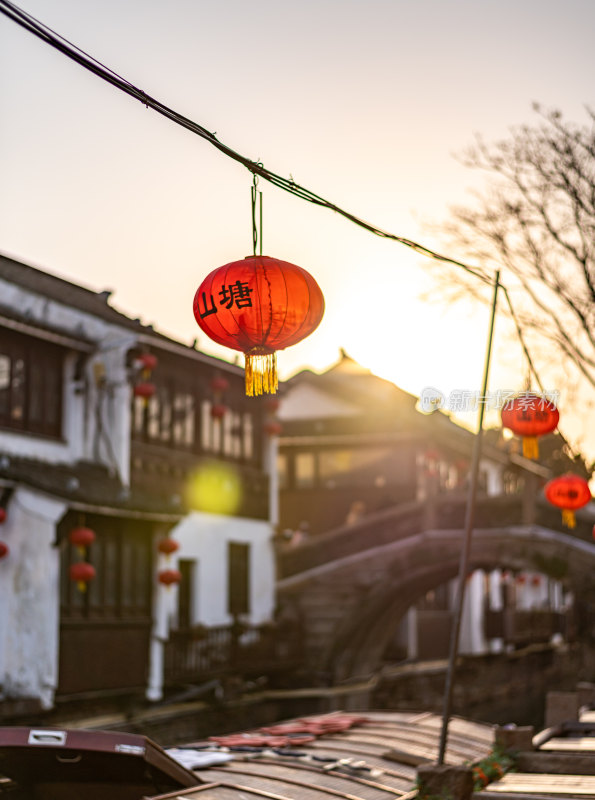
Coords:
196,654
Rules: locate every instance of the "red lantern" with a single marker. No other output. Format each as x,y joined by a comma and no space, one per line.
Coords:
219,384
4,551
530,416
169,576
272,405
272,428
2,515
258,305
218,410
536,580
81,538
568,492
167,546
521,579
82,573
147,362
144,390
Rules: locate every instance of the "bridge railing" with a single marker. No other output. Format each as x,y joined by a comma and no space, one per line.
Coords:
443,511
373,530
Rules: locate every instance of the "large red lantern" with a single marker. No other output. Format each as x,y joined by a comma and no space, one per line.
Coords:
529,416
82,573
259,305
568,492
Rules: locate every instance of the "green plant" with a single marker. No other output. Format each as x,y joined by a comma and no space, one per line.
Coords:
492,768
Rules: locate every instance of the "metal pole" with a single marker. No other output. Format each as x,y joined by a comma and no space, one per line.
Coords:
469,519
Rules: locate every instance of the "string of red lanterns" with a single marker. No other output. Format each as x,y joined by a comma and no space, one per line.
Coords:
82,572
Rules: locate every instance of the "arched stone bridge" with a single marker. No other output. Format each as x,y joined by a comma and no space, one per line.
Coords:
350,587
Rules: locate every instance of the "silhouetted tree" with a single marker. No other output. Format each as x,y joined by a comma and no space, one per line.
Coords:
536,221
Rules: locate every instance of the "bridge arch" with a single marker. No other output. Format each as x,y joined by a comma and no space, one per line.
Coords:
350,608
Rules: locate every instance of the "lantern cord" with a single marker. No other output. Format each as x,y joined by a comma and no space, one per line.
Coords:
94,66
519,331
256,230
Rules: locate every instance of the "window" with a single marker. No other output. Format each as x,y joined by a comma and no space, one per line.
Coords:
282,468
305,470
30,384
238,578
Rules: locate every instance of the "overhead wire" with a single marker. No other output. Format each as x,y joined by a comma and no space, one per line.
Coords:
257,168
94,66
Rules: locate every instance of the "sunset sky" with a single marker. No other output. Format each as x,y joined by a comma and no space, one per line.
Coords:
363,102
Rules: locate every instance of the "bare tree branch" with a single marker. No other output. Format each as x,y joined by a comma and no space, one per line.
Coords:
537,223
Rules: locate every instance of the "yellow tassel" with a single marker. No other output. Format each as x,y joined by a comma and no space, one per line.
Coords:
530,447
261,374
81,586
568,518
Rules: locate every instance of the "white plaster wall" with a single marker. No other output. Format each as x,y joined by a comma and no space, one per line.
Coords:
29,598
493,472
96,421
472,639
204,538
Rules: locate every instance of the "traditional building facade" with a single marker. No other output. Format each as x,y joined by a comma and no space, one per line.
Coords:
84,442
353,444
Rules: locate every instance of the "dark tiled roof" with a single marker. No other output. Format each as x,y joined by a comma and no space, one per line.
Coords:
86,300
63,291
83,483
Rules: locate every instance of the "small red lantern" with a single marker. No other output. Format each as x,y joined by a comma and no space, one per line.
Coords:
536,580
144,390
82,573
169,576
568,492
81,538
530,416
521,579
272,405
219,384
272,428
2,515
167,546
147,363
258,305
218,410
4,551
